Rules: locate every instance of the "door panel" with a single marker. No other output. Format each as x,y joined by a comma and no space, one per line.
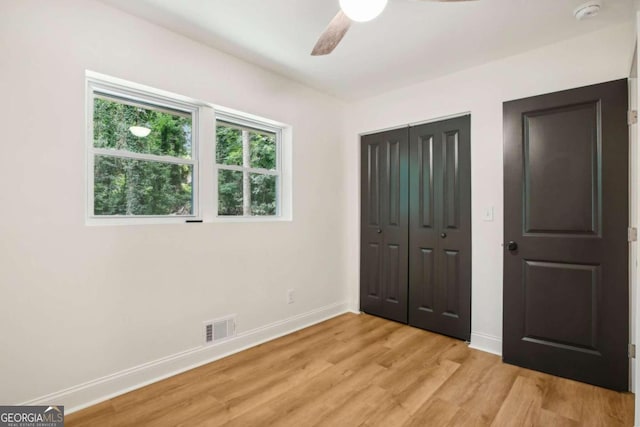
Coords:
562,169
371,270
393,179
440,227
425,195
451,284
392,288
373,185
450,171
426,285
565,189
566,293
383,284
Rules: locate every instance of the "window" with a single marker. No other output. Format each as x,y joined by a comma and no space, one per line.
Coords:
155,157
248,164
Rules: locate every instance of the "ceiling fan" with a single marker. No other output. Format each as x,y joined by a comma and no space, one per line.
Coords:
351,10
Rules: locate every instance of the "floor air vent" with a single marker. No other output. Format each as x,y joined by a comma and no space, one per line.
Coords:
219,330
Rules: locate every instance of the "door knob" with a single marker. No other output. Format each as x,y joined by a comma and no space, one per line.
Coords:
379,230
443,235
512,246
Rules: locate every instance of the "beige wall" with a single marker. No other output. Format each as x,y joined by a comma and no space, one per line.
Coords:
80,303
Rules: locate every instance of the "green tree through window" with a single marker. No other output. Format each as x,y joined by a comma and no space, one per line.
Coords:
149,159
247,171
126,185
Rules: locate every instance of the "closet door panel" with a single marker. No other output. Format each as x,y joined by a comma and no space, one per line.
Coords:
384,223
423,237
371,240
447,234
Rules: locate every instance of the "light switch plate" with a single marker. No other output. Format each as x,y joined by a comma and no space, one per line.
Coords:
487,215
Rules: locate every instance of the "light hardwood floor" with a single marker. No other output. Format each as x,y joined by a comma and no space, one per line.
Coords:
359,370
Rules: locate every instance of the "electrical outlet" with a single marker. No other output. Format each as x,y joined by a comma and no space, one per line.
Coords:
290,296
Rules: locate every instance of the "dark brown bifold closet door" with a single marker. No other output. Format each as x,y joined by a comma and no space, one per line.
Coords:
384,224
415,256
440,227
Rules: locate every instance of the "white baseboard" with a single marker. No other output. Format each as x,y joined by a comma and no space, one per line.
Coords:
485,342
101,389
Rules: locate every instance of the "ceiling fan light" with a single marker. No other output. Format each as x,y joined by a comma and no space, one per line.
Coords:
362,10
140,131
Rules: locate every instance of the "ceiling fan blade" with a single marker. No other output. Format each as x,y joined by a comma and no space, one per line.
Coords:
332,35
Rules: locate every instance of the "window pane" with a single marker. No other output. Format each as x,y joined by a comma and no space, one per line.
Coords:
229,192
263,150
114,125
139,187
263,194
228,145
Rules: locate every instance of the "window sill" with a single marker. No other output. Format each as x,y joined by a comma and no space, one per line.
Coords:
111,221
106,222
250,219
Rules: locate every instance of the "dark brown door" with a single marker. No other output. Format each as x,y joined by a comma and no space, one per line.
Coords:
384,224
440,227
566,303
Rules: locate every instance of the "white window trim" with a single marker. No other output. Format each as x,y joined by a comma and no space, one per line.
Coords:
205,169
283,162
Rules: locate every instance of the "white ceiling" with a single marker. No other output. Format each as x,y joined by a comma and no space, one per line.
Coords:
410,41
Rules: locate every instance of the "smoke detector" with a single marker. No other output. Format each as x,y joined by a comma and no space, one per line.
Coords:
587,10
